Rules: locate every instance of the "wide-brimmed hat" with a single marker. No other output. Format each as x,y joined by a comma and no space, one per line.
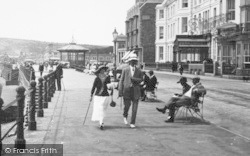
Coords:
151,72
131,57
182,79
100,68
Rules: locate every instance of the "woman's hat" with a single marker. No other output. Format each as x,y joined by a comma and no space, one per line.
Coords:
131,57
182,79
100,68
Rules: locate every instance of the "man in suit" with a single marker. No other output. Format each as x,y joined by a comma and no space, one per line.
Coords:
129,88
59,75
188,98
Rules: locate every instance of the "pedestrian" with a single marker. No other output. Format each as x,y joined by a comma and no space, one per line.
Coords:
41,68
59,76
33,73
46,66
129,88
100,95
180,68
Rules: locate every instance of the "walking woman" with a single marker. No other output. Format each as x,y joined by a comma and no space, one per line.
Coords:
101,97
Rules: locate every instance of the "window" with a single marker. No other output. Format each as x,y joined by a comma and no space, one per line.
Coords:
248,14
246,54
195,2
160,53
231,4
161,14
184,3
161,32
184,24
230,9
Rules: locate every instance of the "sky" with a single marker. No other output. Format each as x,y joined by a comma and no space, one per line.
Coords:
89,21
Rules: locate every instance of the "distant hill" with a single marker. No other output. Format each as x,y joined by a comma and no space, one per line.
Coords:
13,47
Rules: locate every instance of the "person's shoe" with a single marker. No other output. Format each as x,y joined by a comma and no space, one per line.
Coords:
102,126
132,126
161,110
169,120
125,121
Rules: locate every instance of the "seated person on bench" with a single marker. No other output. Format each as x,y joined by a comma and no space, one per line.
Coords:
189,98
152,81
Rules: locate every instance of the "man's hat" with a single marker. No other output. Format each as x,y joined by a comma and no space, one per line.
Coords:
182,79
100,68
196,78
131,57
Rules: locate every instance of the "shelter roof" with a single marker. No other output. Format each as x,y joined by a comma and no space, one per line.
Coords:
73,47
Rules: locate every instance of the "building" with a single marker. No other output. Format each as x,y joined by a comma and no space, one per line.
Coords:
102,55
119,48
194,30
183,32
140,29
233,37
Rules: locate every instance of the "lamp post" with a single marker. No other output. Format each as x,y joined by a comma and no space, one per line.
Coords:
115,34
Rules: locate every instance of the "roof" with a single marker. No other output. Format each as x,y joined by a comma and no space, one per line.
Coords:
73,47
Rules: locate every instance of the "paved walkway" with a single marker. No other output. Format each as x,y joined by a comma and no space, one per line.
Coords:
63,124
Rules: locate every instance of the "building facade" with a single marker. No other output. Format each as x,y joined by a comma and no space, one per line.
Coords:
234,37
119,48
140,29
194,30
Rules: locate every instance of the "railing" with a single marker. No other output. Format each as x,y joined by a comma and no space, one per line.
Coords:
229,69
38,100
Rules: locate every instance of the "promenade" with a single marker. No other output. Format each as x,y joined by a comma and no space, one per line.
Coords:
63,124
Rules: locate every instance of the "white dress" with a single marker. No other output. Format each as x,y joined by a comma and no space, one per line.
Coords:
100,105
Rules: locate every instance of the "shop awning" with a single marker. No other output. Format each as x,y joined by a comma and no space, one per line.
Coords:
194,42
227,25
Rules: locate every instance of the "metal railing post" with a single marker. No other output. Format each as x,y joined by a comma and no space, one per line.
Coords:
52,84
40,112
20,141
1,114
45,94
32,106
48,88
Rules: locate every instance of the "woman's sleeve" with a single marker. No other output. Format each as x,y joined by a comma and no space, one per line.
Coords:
94,86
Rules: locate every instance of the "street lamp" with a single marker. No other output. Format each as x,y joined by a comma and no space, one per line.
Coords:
115,34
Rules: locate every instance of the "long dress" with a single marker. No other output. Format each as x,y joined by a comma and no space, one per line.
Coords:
100,105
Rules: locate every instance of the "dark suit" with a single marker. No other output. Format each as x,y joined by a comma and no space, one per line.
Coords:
129,88
59,75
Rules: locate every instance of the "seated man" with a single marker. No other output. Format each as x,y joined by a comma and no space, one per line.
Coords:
175,97
188,98
152,81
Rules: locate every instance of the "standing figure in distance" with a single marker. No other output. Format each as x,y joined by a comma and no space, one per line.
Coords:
129,88
59,75
41,68
180,68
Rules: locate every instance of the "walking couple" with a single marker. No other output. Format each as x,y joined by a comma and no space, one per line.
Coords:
129,89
